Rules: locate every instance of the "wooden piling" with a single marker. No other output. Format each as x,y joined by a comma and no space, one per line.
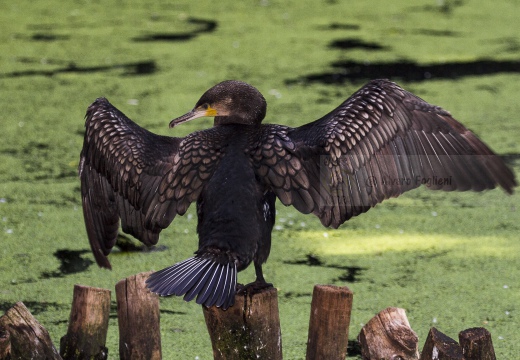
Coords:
476,344
250,329
28,338
329,322
138,318
440,346
5,344
388,335
88,325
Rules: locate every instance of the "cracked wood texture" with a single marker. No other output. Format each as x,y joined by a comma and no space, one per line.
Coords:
329,322
28,338
5,344
250,329
88,325
476,344
439,346
388,335
138,318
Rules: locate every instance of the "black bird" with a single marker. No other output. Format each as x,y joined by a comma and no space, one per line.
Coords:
379,143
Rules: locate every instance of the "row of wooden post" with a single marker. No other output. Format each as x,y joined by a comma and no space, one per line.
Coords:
248,330
23,337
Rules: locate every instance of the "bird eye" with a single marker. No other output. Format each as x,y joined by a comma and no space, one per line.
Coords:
205,106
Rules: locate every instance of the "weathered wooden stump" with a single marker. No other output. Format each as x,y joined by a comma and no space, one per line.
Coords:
329,322
476,344
28,338
250,329
388,335
440,346
138,318
88,325
5,344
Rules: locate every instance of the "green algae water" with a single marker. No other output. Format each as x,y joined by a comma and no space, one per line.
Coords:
450,259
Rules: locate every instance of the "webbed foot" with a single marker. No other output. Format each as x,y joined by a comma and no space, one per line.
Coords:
254,287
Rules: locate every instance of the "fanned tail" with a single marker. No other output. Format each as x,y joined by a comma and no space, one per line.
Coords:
211,282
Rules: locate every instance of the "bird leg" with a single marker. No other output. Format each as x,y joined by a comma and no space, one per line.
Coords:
257,285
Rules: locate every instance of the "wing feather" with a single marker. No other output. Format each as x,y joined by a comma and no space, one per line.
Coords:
143,179
379,143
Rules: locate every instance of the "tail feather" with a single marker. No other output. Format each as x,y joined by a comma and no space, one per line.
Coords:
188,282
229,298
163,281
220,299
220,280
210,282
197,288
206,292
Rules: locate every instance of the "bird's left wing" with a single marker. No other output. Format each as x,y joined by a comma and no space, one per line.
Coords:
379,143
144,179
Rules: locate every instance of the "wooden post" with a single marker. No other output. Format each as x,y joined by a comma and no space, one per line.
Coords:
28,338
476,344
138,318
250,329
440,346
388,335
88,325
5,344
329,322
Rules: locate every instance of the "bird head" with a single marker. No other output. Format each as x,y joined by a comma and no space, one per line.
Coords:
230,102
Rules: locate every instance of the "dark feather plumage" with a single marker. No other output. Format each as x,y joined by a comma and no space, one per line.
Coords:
212,283
379,143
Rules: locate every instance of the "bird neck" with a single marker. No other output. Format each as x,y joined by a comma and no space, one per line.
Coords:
226,120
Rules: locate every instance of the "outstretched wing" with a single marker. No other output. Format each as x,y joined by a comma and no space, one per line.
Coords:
379,143
144,179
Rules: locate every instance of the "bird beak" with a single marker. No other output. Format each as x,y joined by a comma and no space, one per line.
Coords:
193,114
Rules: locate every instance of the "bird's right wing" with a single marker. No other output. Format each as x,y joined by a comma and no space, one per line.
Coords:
144,179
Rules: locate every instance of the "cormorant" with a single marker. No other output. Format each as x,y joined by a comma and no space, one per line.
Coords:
379,143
